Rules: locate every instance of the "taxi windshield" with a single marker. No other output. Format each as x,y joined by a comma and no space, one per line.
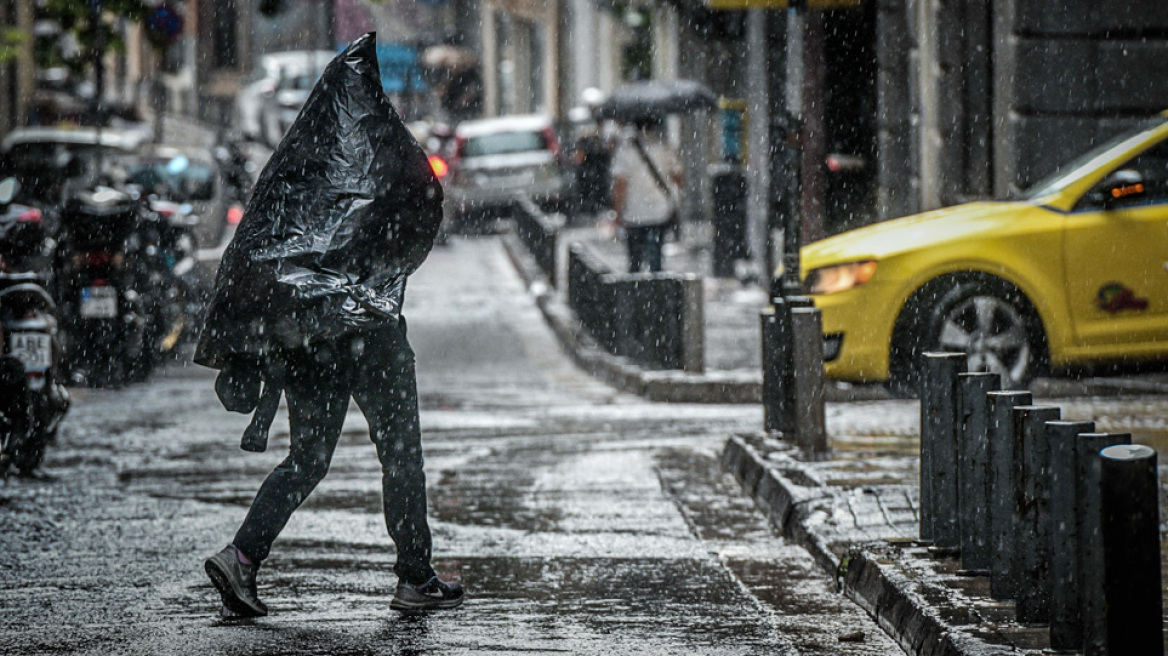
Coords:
1090,161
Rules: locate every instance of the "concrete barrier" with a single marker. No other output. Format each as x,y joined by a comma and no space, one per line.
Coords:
653,319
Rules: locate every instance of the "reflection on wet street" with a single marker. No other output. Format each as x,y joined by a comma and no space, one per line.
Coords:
581,520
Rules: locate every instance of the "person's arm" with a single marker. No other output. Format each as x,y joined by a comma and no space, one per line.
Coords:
676,174
620,188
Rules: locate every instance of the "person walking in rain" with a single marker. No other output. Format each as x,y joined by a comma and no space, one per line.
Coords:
646,176
308,299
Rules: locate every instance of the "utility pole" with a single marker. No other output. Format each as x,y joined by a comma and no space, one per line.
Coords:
328,18
805,98
95,9
814,144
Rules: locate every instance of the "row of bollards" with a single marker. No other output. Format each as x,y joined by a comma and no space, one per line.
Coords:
1064,520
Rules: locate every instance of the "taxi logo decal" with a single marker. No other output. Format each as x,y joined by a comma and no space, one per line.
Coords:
1114,298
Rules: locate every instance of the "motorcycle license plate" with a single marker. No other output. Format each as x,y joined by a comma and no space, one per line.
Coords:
35,350
99,302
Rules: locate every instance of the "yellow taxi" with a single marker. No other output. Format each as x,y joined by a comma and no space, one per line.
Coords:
1073,272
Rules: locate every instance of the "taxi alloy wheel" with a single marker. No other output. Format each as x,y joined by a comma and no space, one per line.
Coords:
994,325
986,318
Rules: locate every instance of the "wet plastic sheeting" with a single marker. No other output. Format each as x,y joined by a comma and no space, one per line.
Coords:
346,208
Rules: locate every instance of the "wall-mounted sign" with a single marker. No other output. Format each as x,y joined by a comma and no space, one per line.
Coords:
782,4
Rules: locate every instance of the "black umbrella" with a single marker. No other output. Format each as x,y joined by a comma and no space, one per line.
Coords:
655,98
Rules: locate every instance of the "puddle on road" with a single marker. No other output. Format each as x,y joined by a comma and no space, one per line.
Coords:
334,604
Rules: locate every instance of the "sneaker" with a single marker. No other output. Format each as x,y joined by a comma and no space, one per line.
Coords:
433,594
236,583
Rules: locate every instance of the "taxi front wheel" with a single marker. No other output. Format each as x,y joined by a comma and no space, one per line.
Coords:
986,318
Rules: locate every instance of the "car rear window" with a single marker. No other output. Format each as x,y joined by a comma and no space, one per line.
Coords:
42,166
191,181
504,143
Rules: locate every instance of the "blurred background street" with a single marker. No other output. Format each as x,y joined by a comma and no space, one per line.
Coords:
985,178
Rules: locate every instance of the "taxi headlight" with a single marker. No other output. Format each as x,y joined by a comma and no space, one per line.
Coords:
839,277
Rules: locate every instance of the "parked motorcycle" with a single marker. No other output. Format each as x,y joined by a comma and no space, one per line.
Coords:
238,169
32,401
100,284
166,247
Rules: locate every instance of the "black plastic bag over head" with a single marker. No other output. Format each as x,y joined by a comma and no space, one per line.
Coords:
345,209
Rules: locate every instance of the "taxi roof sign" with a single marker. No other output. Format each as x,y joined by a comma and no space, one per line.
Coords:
782,4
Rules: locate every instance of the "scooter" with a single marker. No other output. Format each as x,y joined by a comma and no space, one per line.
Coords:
32,401
100,286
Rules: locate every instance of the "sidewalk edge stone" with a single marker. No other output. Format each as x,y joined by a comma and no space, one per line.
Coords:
887,595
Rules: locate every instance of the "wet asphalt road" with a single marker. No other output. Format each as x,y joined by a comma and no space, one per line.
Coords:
581,520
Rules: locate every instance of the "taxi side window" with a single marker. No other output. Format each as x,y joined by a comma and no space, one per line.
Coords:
1148,175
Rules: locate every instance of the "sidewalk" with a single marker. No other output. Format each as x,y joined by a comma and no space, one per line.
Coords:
856,510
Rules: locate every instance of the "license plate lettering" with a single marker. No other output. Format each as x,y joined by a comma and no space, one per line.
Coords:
99,302
35,350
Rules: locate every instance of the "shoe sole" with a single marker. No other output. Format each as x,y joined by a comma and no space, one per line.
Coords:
231,598
404,605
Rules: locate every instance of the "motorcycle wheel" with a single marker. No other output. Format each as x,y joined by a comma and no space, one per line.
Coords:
27,457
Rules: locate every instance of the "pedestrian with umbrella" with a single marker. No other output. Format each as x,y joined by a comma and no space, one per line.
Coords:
646,177
308,299
646,170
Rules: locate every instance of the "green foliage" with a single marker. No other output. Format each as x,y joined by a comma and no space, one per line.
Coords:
10,39
76,17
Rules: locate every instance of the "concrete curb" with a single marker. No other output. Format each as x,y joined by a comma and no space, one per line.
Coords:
788,505
662,386
923,614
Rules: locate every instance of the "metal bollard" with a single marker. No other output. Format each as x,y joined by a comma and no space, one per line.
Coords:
1090,536
939,449
1066,623
973,468
1031,507
778,378
1130,519
1003,523
807,361
772,369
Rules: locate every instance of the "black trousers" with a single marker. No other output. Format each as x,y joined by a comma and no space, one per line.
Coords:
644,244
377,370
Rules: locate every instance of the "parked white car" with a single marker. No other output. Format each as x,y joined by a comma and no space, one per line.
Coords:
45,159
496,158
249,104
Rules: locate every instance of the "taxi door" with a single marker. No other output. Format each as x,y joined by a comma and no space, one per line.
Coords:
1116,245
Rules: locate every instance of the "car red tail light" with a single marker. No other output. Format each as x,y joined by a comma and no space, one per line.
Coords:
438,165
31,215
97,258
234,215
553,144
